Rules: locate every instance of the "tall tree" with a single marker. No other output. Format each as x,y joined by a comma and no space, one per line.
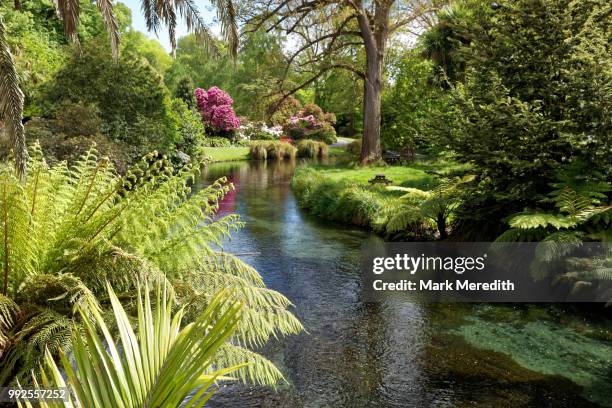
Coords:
326,31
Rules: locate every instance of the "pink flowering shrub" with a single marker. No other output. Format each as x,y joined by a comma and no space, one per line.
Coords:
312,123
215,106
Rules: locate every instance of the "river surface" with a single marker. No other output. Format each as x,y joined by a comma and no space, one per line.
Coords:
397,353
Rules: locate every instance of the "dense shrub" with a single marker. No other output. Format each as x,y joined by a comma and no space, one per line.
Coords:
71,134
312,123
128,97
272,150
259,131
215,106
312,148
409,105
535,97
216,142
288,107
354,147
527,109
190,133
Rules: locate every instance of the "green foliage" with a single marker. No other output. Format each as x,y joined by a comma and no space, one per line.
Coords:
337,91
136,43
284,110
312,123
161,364
411,104
344,200
442,43
271,150
536,94
72,133
216,142
190,131
68,229
580,214
260,63
129,96
184,90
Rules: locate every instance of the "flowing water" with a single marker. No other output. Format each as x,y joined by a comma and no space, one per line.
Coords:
397,353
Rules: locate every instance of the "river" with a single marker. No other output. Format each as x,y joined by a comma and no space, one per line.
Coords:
397,353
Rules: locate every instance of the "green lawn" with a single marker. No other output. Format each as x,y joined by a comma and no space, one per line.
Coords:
400,175
219,154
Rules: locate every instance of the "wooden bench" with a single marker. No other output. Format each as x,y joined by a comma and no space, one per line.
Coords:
380,179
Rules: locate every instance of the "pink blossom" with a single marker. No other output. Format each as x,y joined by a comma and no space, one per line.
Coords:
215,106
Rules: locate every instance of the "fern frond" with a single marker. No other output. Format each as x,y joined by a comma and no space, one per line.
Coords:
261,371
570,202
541,220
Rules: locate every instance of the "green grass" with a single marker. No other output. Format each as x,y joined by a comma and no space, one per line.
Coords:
219,154
399,175
343,194
345,139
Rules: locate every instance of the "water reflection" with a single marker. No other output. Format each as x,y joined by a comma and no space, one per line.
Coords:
396,353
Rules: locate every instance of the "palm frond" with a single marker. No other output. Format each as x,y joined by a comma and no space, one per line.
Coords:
111,24
159,365
226,12
188,10
69,13
11,104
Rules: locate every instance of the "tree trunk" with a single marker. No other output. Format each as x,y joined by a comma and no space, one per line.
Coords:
370,146
441,223
375,40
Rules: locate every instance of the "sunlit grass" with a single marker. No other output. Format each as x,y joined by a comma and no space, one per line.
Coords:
399,175
219,154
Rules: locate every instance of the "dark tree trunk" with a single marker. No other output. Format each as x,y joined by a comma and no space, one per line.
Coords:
370,147
374,39
441,222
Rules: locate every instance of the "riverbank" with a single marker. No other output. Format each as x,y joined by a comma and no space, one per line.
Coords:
221,154
344,194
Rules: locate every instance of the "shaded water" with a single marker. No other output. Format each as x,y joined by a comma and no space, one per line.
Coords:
396,353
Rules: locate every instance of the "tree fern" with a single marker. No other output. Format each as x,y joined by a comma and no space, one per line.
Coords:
74,228
581,214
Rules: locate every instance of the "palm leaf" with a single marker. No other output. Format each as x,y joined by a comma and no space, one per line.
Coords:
11,104
158,365
226,12
68,11
111,24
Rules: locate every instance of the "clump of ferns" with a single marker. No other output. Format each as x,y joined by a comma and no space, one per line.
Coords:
422,212
84,224
581,213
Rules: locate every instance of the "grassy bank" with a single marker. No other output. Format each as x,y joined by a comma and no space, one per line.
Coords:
399,175
219,154
344,195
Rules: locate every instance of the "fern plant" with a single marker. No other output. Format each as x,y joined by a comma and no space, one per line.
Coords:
68,230
581,213
414,206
